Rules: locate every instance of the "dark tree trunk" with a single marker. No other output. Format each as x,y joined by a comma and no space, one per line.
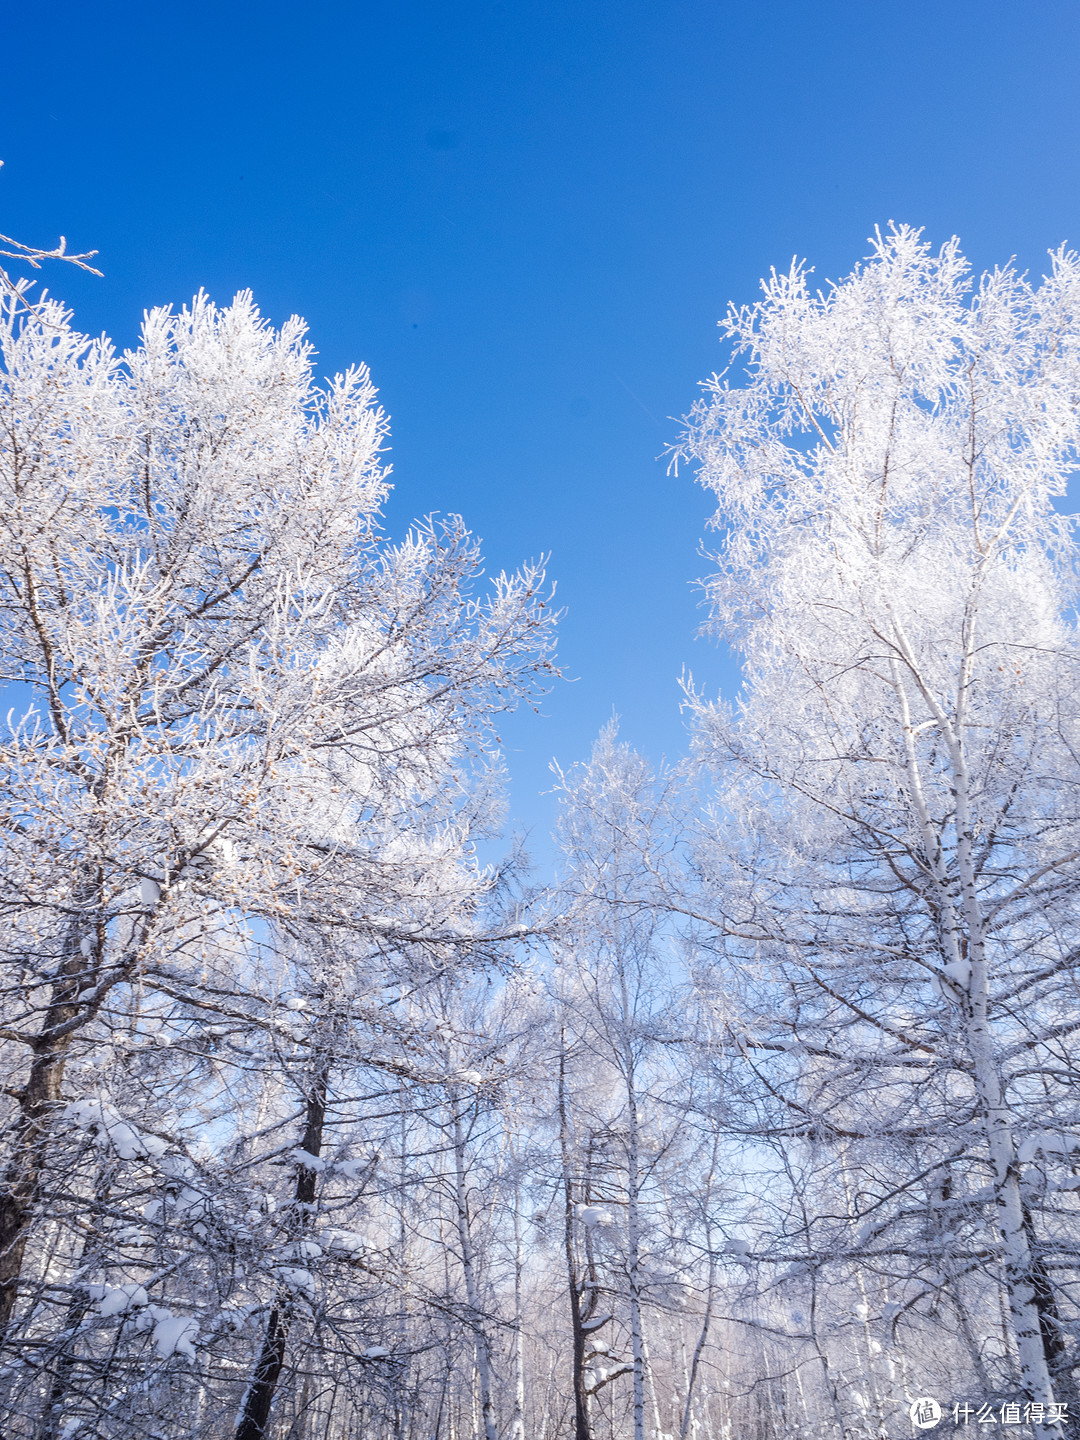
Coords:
264,1381
577,1325
38,1102
1050,1326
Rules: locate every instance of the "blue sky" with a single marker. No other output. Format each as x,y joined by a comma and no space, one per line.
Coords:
527,218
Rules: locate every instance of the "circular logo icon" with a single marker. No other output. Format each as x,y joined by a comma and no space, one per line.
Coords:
925,1412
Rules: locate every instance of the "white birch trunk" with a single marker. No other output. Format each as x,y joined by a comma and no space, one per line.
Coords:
962,931
633,1216
517,1424
472,1289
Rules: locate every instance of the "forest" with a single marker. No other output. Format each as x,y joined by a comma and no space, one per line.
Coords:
757,1118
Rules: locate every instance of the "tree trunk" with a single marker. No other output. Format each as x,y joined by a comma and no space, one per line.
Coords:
517,1425
259,1399
710,1295
581,1399
1050,1323
962,940
658,1428
1035,1374
472,1288
38,1102
633,1225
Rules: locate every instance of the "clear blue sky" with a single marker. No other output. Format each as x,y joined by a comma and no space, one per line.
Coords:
526,218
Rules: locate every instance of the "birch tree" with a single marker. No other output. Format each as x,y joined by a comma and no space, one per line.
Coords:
895,833
620,842
240,786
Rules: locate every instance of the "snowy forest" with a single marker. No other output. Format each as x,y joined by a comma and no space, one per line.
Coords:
759,1117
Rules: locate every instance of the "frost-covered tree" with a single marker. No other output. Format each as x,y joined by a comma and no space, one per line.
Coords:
896,834
33,256
620,842
240,776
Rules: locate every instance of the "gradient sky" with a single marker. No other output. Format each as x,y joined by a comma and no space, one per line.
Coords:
527,218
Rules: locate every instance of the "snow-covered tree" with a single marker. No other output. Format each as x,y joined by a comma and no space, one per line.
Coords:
240,776
760,1120
613,991
894,846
